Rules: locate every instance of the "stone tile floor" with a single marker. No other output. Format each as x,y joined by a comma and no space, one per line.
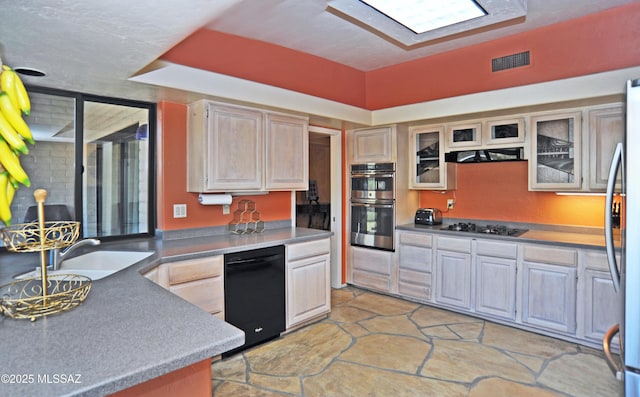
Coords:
376,345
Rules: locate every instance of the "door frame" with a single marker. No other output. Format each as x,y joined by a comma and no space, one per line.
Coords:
335,136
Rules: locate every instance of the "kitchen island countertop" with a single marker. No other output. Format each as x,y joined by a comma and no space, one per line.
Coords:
129,330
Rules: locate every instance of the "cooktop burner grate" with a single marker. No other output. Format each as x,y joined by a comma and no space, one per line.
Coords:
470,227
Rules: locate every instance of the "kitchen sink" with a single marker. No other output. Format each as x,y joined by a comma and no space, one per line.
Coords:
95,264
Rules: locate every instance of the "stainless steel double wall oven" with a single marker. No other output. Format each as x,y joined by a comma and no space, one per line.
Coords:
373,205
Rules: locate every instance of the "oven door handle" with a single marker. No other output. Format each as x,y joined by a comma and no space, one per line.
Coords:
376,174
371,205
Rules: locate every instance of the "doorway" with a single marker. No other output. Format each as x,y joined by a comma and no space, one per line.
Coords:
313,206
321,206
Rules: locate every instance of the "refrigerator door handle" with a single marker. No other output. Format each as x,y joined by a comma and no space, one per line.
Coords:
608,216
614,365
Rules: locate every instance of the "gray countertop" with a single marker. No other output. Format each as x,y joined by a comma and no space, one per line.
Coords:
579,237
128,330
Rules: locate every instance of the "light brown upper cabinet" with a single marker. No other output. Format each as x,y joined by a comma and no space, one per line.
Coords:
460,136
373,145
606,129
488,133
555,160
235,148
428,168
568,155
287,152
503,132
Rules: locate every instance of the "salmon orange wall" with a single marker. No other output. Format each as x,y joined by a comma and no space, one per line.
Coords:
270,64
599,42
595,43
172,187
499,191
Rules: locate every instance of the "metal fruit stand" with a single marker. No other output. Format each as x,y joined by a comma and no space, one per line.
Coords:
48,294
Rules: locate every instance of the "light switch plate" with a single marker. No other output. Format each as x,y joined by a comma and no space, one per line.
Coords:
179,210
226,209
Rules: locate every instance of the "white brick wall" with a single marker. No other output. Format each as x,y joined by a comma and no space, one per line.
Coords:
50,166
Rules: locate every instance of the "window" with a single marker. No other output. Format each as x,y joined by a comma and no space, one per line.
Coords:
95,158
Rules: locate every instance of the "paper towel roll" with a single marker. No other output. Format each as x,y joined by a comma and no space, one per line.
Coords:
214,199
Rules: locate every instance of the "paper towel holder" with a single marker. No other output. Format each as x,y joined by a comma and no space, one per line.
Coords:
215,199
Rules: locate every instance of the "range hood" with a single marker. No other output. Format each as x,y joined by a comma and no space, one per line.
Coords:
485,155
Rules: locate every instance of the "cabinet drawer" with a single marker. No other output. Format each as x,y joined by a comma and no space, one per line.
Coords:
597,260
371,280
195,269
372,261
418,239
308,249
416,258
454,244
207,294
556,256
414,277
497,249
415,290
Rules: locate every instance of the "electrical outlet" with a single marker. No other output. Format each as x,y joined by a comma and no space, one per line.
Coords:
179,210
226,209
450,203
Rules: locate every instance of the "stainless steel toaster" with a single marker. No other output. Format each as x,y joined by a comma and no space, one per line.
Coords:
428,216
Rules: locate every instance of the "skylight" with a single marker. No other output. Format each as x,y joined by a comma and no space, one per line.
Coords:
424,15
444,18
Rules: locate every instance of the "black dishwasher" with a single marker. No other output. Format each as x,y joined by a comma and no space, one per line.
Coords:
254,294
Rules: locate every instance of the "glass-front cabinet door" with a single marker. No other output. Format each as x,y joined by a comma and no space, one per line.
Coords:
464,135
504,132
429,171
555,162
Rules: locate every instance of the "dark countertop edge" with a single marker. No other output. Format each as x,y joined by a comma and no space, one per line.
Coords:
170,251
151,372
176,250
551,240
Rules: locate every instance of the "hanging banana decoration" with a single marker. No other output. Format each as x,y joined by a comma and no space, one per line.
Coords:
14,131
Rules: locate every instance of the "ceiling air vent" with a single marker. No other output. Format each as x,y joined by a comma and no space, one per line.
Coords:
510,61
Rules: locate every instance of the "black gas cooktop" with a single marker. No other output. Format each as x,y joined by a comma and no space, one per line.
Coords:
500,230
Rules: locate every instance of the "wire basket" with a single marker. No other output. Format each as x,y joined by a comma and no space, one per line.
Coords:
246,219
26,237
25,298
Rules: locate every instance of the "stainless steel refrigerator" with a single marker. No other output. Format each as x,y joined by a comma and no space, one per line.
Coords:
626,273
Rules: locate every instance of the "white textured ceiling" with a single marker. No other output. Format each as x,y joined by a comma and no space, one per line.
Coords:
307,26
95,46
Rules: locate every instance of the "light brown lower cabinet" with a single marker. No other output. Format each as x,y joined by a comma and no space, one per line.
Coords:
600,305
308,288
415,265
453,271
549,287
496,267
557,290
372,268
549,296
453,278
199,281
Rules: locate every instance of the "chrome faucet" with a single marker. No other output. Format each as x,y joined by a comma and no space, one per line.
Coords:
57,256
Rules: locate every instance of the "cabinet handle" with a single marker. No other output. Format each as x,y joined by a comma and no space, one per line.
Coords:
370,174
371,205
